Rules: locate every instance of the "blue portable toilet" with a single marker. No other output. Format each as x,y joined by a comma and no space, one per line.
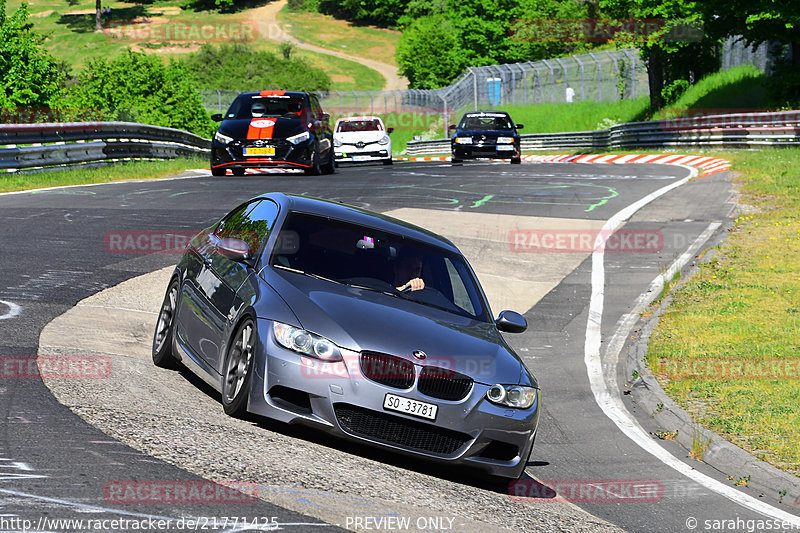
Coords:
494,87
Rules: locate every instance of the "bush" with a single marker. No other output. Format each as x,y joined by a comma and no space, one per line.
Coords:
140,88
31,77
237,66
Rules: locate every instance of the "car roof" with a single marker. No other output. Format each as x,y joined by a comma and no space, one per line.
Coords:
486,114
363,117
357,215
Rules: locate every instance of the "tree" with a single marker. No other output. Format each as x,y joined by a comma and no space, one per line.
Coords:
674,51
31,76
429,54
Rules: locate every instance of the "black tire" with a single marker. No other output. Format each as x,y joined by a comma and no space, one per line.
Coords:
217,171
315,168
330,166
165,328
516,160
239,369
455,160
387,161
238,171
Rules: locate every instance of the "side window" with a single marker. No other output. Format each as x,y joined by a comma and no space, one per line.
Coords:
251,223
461,296
315,105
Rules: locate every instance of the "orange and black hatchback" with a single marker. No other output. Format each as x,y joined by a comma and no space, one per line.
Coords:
273,129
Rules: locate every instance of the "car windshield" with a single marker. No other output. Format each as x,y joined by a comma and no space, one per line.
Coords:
359,125
493,121
257,106
361,256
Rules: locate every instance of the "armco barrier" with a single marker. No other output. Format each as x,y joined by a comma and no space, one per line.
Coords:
32,146
740,130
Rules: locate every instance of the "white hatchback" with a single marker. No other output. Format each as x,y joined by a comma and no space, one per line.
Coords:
362,139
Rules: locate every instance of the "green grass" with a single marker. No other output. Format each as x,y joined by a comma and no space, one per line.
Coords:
743,307
576,116
134,170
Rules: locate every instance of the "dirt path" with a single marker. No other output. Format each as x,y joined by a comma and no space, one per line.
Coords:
270,27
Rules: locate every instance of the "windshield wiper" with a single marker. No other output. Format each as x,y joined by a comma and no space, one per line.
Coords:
303,272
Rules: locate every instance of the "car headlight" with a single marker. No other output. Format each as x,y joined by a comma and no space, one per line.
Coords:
337,142
505,140
384,140
306,343
222,138
300,137
463,140
512,395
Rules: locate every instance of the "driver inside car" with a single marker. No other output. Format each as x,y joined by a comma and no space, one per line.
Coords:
407,271
258,110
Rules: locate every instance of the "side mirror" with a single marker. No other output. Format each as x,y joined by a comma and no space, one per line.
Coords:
216,117
325,117
520,126
511,322
389,130
451,127
234,249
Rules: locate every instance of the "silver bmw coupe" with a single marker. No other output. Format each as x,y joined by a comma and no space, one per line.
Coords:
314,312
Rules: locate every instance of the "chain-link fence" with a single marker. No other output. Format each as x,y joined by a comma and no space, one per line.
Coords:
766,56
602,77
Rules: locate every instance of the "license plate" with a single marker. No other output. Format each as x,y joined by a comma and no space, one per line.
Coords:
505,147
361,158
267,150
410,407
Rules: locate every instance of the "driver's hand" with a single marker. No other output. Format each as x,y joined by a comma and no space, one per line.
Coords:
414,284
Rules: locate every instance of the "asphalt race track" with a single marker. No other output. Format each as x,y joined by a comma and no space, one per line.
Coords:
56,253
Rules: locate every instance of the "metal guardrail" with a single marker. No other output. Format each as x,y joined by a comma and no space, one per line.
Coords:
34,146
740,130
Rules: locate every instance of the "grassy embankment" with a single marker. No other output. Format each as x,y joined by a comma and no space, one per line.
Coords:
165,28
727,349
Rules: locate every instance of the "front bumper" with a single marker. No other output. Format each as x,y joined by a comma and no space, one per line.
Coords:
284,155
338,398
370,152
493,151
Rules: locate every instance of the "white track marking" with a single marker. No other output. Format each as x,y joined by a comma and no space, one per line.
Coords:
609,398
13,310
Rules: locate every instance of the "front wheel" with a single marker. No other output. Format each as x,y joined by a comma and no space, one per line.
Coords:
238,171
315,169
516,160
330,166
387,161
217,171
165,327
239,369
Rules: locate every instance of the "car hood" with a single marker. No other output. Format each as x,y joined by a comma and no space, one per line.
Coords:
365,320
355,136
262,128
